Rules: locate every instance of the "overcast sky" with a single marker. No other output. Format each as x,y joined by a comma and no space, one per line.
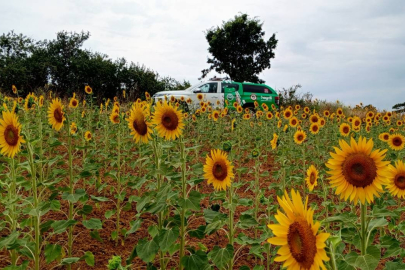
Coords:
347,50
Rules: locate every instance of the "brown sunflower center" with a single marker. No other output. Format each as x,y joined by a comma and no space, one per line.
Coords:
219,170
386,137
345,129
400,181
315,128
357,123
287,114
74,103
314,119
11,135
312,178
293,122
302,243
140,126
300,137
170,120
58,115
359,170
397,141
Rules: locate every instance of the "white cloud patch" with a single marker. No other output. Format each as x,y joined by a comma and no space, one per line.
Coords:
348,50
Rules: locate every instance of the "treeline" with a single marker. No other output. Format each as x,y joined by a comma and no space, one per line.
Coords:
65,67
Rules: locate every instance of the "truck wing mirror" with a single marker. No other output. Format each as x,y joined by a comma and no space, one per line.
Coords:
198,90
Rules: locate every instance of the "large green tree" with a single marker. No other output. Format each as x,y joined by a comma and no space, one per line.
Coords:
239,49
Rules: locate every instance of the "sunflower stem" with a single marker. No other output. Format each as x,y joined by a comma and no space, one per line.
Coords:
37,217
332,257
231,216
118,185
71,187
363,216
13,217
184,197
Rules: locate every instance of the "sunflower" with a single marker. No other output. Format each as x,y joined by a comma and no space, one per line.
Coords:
88,89
299,136
293,121
218,170
314,128
265,107
14,88
339,111
246,116
314,118
303,115
279,123
396,141
73,103
215,115
139,124
357,171
30,101
396,179
10,138
306,110
233,124
55,114
302,247
200,96
147,96
256,104
344,129
287,114
356,122
399,123
312,177
239,109
384,136
41,101
115,118
73,128
274,141
326,113
194,118
168,121
269,115
87,136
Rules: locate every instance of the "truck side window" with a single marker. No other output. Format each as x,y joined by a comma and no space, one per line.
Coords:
229,85
209,88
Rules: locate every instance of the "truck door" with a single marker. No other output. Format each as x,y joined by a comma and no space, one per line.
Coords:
211,93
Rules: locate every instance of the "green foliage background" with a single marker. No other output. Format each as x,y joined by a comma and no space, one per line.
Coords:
65,67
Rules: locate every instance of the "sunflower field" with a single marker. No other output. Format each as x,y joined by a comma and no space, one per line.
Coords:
127,184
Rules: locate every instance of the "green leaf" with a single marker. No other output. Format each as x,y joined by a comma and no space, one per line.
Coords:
393,251
153,230
167,238
93,224
60,226
147,250
71,260
85,210
246,221
221,256
96,235
377,223
109,213
135,225
99,199
366,262
394,266
198,233
52,252
88,258
196,261
8,240
192,202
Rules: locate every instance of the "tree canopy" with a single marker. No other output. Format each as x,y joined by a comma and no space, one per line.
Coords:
66,67
239,49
